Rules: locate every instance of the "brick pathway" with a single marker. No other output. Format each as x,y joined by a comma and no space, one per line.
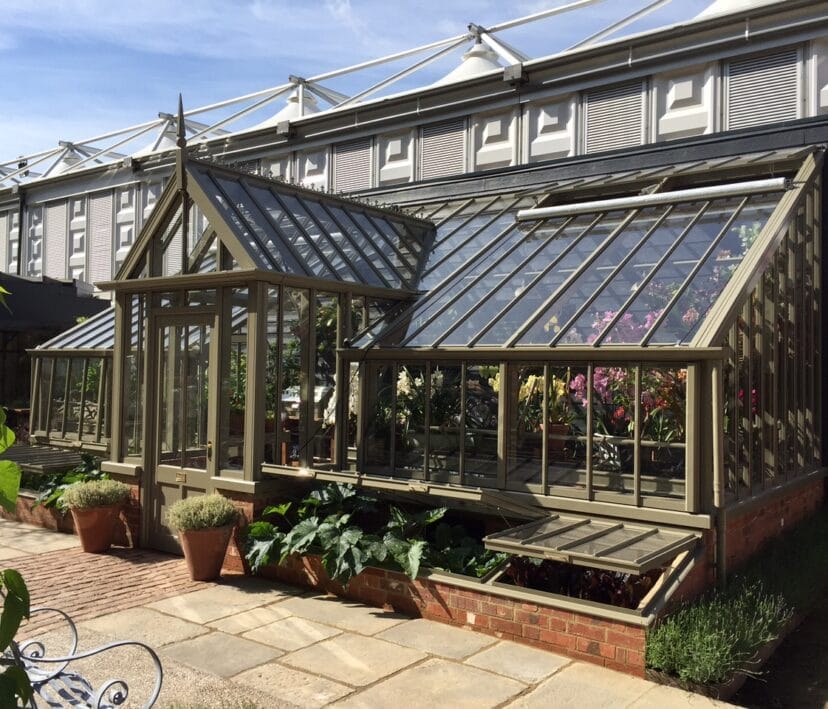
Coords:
89,585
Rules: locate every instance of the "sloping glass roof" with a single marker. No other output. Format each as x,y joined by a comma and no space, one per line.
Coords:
95,333
634,276
296,231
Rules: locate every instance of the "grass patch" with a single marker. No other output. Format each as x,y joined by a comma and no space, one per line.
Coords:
706,642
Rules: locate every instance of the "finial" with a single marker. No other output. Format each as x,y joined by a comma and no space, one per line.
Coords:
182,135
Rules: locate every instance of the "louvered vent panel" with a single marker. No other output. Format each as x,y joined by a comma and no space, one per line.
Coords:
613,118
54,264
442,149
4,241
762,90
352,166
101,237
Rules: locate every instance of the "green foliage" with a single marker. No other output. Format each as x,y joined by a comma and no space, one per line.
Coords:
95,493
3,294
52,487
337,520
9,471
708,641
202,512
14,683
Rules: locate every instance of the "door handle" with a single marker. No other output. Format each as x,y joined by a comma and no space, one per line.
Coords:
209,450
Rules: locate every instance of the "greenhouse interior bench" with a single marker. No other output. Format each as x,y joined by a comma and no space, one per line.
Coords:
55,684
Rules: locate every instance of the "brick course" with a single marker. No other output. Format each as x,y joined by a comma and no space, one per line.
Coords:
612,644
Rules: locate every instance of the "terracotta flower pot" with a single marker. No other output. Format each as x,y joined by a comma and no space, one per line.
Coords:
204,550
95,527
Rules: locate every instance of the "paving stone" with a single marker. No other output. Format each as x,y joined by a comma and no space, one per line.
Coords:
437,638
250,620
437,683
354,617
292,633
665,697
220,601
584,686
8,553
520,662
145,625
289,686
353,659
221,654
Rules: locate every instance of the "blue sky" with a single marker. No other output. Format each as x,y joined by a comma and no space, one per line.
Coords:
76,68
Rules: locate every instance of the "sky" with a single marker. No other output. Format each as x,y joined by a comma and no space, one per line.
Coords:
73,69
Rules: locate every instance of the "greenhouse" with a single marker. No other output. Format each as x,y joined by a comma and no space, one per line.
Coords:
641,346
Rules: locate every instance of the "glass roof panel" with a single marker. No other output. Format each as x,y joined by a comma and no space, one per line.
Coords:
372,248
247,207
589,281
534,287
293,230
631,324
387,243
624,282
312,236
475,272
687,312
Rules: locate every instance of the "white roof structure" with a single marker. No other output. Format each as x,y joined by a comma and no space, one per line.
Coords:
488,52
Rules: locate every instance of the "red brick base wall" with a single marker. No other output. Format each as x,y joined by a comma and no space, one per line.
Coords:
45,517
747,531
612,644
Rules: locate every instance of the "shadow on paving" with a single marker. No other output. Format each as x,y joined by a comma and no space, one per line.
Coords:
90,585
797,674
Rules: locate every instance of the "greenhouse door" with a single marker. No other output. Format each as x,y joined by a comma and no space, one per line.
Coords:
183,449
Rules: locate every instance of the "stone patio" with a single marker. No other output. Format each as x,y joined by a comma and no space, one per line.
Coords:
248,643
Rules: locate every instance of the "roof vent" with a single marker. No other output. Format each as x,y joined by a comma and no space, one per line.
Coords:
291,110
723,7
478,60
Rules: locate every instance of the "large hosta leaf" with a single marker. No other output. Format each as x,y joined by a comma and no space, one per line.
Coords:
9,484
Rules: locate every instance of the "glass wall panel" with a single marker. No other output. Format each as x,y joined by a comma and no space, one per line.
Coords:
526,437
90,413
233,405
613,426
271,379
74,394
134,379
444,411
481,425
663,431
379,408
44,389
323,424
567,436
410,442
293,416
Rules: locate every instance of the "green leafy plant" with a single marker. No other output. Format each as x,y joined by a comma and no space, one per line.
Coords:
344,525
95,493
705,643
15,687
9,471
202,512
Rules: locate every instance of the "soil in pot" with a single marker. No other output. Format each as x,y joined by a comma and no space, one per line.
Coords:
204,551
95,527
